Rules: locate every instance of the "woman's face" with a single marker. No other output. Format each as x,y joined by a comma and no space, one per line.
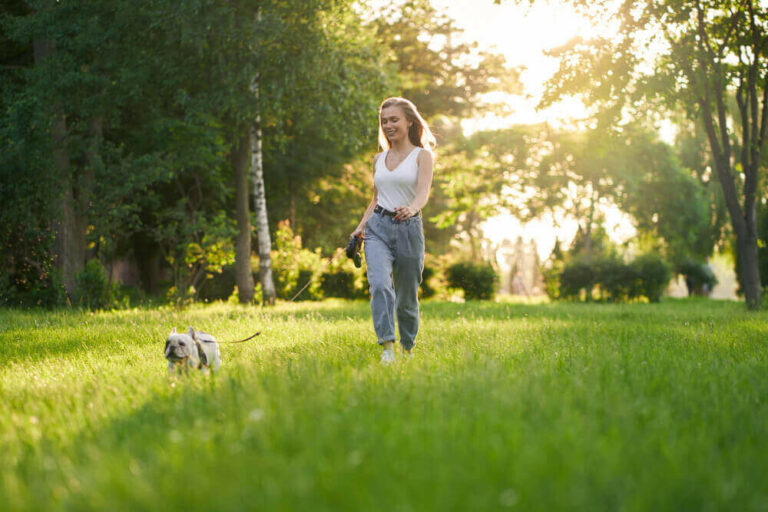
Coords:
394,123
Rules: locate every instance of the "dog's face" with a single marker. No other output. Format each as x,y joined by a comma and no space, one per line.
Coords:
181,347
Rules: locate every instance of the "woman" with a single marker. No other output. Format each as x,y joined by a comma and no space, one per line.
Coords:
391,226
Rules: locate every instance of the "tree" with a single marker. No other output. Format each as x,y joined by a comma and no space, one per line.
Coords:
694,156
475,181
577,174
441,73
666,198
118,119
325,121
243,272
690,55
140,152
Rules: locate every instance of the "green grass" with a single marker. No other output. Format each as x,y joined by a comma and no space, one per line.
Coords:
505,406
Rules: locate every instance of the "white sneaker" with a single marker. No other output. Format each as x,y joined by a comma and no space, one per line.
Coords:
387,357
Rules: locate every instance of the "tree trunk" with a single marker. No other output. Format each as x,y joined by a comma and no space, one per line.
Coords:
744,221
750,271
69,242
260,207
148,259
750,264
744,224
243,272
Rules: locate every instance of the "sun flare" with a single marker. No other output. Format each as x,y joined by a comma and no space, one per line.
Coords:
523,35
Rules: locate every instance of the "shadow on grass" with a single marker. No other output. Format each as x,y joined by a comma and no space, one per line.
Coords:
21,345
33,335
562,413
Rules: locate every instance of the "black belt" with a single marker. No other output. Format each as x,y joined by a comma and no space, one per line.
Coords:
382,211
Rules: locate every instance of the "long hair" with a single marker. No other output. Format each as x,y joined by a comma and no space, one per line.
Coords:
418,133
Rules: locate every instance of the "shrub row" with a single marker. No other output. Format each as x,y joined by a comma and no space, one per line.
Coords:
614,280
479,282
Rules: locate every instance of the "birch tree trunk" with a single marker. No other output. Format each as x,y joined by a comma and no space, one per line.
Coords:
260,208
243,273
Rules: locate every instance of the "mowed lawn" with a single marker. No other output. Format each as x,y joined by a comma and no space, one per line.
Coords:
504,407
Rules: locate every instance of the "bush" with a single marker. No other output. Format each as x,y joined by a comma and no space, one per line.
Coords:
426,289
92,286
310,292
47,292
479,282
293,266
30,279
550,274
218,286
647,276
654,276
618,280
339,284
576,276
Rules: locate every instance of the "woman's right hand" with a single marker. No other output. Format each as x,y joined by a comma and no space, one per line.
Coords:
359,232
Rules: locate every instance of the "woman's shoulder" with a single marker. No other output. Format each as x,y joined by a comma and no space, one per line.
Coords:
377,156
425,156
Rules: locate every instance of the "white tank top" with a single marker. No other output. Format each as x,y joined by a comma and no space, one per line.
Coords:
396,187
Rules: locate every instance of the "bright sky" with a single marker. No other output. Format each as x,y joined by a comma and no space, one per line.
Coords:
522,34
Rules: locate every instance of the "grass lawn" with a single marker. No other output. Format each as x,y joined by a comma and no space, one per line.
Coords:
504,407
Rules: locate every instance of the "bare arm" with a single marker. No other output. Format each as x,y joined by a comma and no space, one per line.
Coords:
360,229
423,186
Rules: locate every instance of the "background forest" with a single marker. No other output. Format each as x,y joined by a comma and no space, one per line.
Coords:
173,151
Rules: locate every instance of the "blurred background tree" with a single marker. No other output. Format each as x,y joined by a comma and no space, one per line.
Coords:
696,57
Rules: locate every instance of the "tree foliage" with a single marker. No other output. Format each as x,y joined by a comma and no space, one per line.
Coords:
127,113
441,72
693,56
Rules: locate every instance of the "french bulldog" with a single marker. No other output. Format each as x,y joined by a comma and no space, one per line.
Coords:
192,350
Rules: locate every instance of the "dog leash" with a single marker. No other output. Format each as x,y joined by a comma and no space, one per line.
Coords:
293,299
240,341
310,279
352,252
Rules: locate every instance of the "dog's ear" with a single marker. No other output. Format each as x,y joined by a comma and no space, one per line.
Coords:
173,331
191,333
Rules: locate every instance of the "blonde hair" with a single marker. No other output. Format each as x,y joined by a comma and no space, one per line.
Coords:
418,133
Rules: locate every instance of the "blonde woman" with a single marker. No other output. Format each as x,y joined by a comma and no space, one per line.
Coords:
392,225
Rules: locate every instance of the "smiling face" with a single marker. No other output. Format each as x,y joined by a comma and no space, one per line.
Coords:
394,124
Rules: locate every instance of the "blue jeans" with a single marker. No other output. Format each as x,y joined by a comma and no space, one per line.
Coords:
394,254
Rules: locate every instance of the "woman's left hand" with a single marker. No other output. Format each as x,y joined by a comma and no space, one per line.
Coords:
405,212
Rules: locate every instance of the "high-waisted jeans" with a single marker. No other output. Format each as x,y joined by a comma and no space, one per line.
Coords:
394,254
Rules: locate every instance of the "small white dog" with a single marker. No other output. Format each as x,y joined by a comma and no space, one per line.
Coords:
195,350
